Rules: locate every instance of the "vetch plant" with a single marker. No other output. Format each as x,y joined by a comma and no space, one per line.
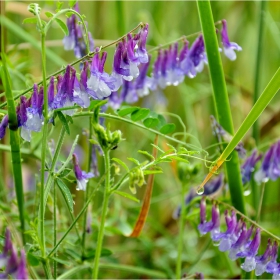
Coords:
91,176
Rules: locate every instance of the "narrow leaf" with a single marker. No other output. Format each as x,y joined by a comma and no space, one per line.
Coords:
158,148
120,162
167,128
66,194
64,122
63,26
72,3
146,153
140,114
180,159
126,195
134,160
49,14
147,172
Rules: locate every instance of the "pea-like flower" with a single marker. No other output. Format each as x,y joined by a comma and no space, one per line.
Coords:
81,176
229,47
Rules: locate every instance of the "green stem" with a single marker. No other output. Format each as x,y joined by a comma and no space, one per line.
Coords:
263,4
260,202
14,142
181,234
54,230
221,99
103,215
86,196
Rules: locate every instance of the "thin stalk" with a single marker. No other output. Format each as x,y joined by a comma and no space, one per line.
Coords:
262,8
181,234
54,230
103,215
221,99
86,195
14,143
260,202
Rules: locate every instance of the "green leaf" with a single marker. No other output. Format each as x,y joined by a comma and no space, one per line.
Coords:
147,154
91,253
59,5
151,122
63,26
72,3
126,111
140,114
120,162
134,160
172,147
158,148
65,262
167,128
49,14
180,159
64,122
65,172
30,20
155,171
66,194
32,259
126,195
69,119
69,14
162,120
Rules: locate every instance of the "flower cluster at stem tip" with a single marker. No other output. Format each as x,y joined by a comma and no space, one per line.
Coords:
129,74
240,241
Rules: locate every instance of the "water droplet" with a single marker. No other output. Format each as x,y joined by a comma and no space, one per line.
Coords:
216,243
200,191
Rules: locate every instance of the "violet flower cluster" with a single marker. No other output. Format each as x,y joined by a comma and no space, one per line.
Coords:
75,40
11,264
170,68
94,83
240,241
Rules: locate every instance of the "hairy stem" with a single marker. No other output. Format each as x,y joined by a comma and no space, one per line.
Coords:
103,215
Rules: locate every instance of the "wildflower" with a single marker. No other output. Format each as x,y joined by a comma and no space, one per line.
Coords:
141,52
229,47
82,176
75,40
212,226
3,126
11,265
270,168
248,166
195,59
100,84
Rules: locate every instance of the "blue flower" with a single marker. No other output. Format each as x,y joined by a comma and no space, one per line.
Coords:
195,58
81,176
100,84
3,126
248,166
229,47
270,168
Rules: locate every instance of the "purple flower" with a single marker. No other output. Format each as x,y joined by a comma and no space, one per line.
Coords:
11,265
65,91
3,126
248,166
212,226
272,266
81,176
75,40
229,47
195,58
270,168
251,252
100,84
141,52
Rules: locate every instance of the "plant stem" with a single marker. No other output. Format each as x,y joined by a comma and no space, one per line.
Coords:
221,99
54,231
103,215
262,8
260,202
87,189
181,234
